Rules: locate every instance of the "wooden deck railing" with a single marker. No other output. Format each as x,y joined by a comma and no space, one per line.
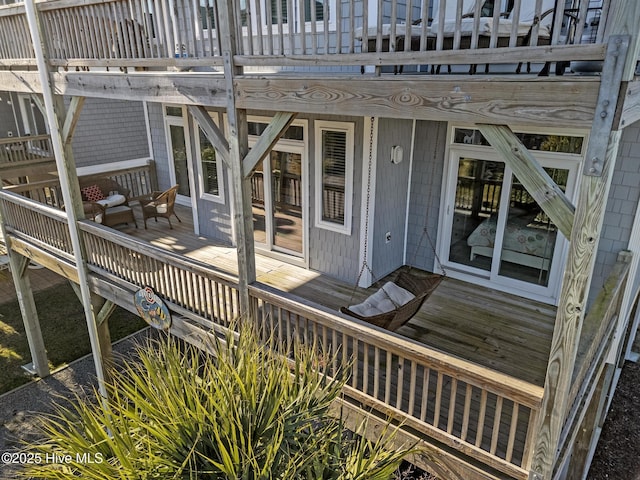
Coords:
15,39
181,32
483,415
186,284
140,180
474,410
35,223
25,155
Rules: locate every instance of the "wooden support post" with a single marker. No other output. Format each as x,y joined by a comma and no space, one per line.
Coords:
589,215
538,183
104,309
56,118
19,271
238,148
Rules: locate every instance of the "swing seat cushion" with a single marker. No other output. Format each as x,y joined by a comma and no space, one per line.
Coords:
389,297
418,287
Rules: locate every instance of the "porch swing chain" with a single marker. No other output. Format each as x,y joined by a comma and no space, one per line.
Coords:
425,231
366,213
365,264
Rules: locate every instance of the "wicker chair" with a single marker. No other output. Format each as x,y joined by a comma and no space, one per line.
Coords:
160,204
105,201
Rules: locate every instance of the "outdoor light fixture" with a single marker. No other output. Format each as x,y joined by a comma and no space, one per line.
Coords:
397,153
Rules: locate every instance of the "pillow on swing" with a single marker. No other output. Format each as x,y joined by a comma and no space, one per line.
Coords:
389,297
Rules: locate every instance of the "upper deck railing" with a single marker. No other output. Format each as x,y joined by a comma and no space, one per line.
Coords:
161,33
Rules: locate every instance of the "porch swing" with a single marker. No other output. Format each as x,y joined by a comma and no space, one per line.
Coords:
395,303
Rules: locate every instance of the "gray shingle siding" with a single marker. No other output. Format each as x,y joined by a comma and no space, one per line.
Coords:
7,120
391,196
621,208
426,185
110,131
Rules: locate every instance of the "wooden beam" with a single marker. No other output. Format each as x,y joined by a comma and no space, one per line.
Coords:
623,19
478,99
105,312
568,101
44,166
267,140
55,264
589,216
533,177
71,120
498,55
37,99
211,130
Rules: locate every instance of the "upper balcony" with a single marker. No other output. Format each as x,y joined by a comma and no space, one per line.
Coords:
329,35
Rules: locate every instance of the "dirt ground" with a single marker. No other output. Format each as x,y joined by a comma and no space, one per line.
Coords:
617,456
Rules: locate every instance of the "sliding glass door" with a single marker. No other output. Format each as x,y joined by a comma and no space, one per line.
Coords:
493,228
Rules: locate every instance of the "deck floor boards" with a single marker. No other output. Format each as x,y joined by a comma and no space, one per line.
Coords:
504,332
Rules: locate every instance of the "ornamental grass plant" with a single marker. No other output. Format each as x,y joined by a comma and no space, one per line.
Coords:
243,413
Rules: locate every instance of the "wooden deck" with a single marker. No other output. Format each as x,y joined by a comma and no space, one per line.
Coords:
509,334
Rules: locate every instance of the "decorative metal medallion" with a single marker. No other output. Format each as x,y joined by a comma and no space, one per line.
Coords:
152,309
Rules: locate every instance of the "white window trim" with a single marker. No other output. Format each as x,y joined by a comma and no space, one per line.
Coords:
220,198
349,129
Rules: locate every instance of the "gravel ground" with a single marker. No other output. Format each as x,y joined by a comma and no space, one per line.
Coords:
19,409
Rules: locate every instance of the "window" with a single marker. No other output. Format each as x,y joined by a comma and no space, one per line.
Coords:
533,141
294,132
279,7
334,175
210,169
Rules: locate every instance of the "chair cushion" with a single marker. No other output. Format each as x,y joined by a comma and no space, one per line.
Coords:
92,193
157,207
389,297
112,200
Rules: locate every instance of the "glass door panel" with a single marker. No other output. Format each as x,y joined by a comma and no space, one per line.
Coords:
286,191
180,162
258,205
529,236
475,217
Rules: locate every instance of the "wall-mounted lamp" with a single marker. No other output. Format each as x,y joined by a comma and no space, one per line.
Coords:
397,154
